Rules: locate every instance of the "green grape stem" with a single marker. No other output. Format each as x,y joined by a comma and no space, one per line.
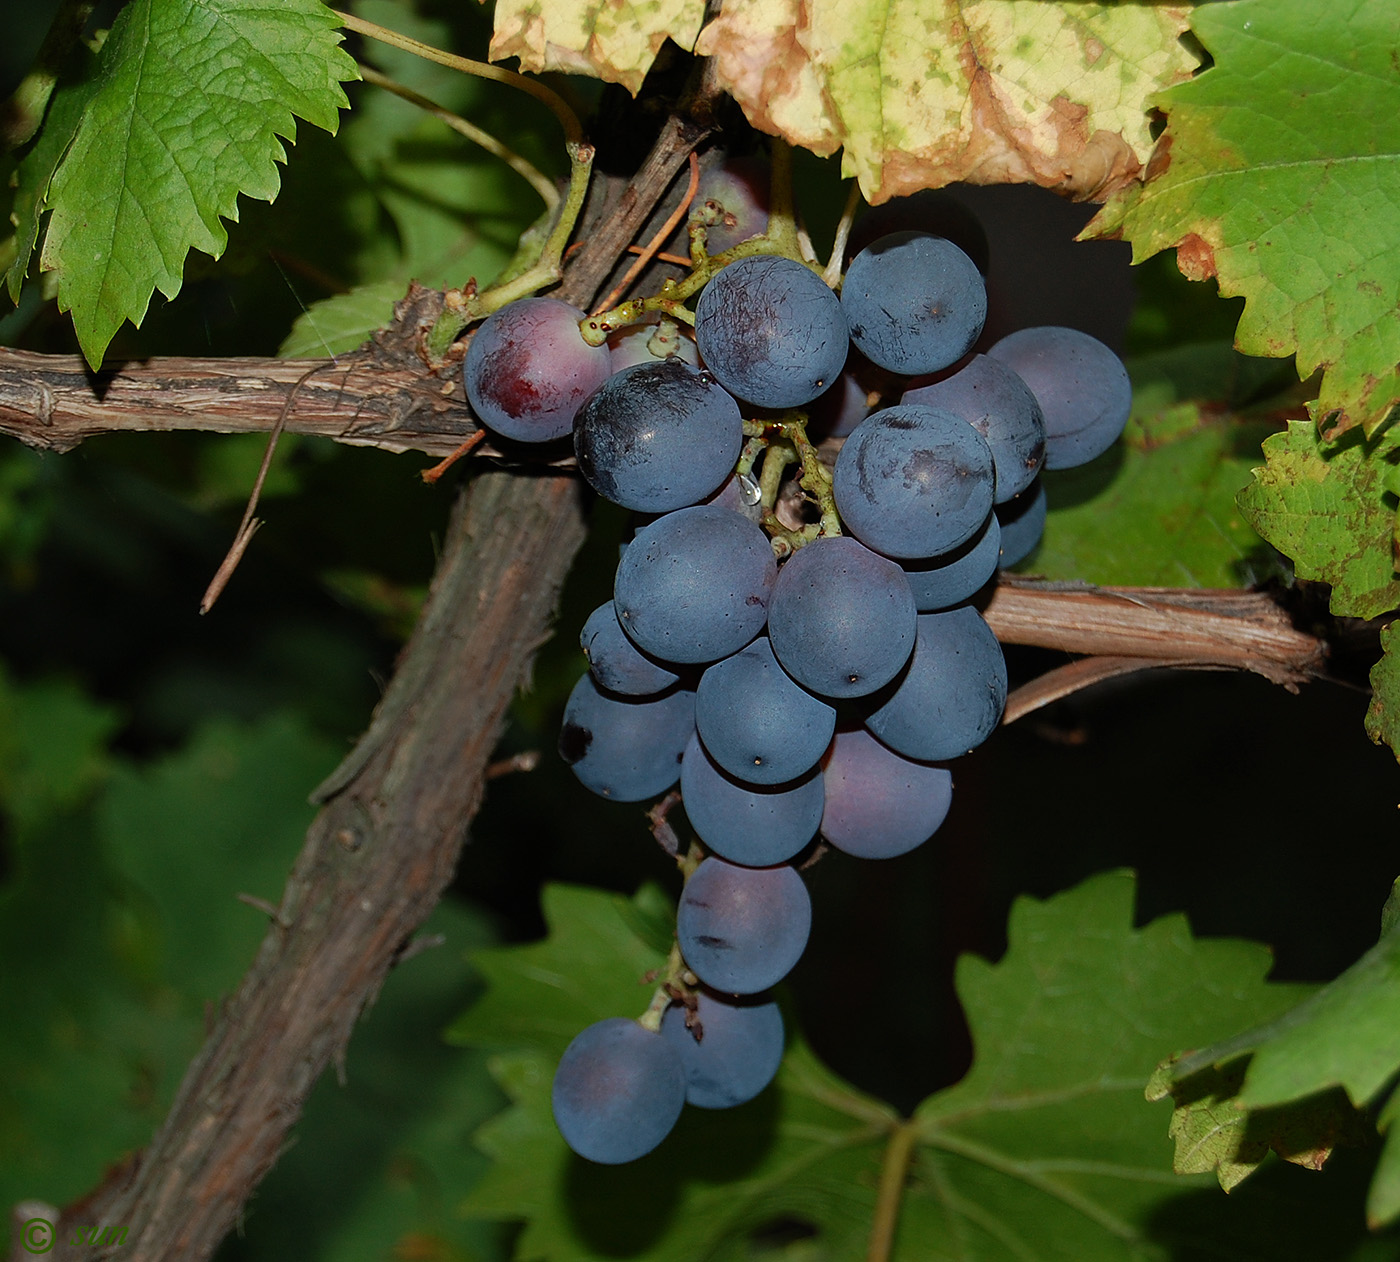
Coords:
546,270
675,978
781,238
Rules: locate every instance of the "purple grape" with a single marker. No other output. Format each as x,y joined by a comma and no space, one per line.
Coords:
617,664
742,929
878,804
625,749
737,1054
771,331
999,406
1081,386
915,303
950,579
618,1091
755,825
950,696
914,482
528,369
756,722
658,436
1022,524
841,620
694,585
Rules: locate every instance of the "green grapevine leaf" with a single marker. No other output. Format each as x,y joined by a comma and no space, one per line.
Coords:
1300,1077
1213,1133
1383,1202
533,997
615,40
1383,714
53,751
1048,1129
1045,1150
1346,1035
238,796
70,98
1330,509
340,323
988,91
1160,510
191,109
1279,174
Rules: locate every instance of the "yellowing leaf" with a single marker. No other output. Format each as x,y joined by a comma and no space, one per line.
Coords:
987,91
616,40
1279,174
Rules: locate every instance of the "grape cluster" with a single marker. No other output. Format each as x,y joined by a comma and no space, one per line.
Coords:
795,645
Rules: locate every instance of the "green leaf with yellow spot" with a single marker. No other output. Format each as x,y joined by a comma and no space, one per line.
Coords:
1279,175
615,40
986,91
1328,507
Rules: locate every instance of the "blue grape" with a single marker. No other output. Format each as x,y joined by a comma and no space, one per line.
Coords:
756,722
756,825
1081,386
737,1054
930,210
650,343
841,620
914,482
528,370
950,579
617,664
625,749
618,1091
878,804
771,331
658,436
742,929
694,585
950,696
999,406
1022,524
914,302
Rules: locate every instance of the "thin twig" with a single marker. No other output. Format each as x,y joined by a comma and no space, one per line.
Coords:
662,235
248,527
430,476
523,167
835,265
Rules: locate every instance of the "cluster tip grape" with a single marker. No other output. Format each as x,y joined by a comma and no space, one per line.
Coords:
764,591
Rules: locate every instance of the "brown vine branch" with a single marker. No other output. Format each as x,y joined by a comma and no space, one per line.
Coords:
385,844
1154,626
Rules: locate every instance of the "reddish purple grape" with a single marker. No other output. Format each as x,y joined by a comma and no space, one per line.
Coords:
528,370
